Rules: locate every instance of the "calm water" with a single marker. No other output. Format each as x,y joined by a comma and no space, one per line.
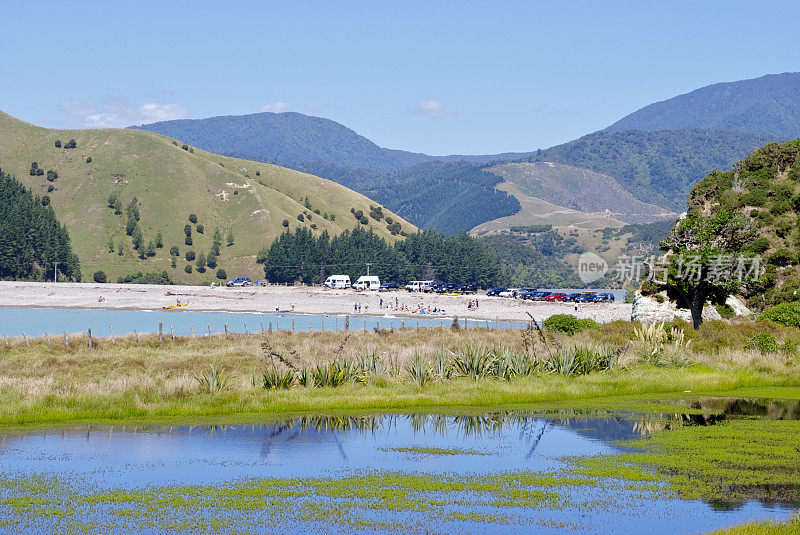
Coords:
36,321
93,459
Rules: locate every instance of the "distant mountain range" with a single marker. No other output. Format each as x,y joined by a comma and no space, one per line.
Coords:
293,138
655,154
767,106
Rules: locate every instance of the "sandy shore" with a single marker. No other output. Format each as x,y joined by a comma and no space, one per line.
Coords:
306,300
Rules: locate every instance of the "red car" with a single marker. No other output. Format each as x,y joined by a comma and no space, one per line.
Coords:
555,297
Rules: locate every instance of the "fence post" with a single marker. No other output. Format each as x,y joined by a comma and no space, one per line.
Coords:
5,338
262,327
47,337
137,335
347,323
172,332
209,330
66,339
160,332
270,327
292,324
89,334
226,329
111,328
191,328
402,324
25,337
245,327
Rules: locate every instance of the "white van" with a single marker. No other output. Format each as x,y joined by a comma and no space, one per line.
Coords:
418,286
367,282
337,281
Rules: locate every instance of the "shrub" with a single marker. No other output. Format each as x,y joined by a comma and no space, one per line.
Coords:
363,220
174,251
58,143
764,342
52,175
300,218
569,324
99,276
188,240
221,274
50,188
45,200
785,313
70,144
185,146
759,245
726,311
190,256
782,257
193,218
147,278
88,159
188,268
200,228
286,223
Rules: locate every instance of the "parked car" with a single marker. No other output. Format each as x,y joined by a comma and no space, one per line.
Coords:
508,292
571,298
605,297
432,287
540,296
418,286
389,287
239,281
495,291
529,296
558,296
469,288
585,297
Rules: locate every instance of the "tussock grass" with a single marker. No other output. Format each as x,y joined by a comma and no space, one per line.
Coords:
153,380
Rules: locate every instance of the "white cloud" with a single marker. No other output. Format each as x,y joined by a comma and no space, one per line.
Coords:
274,107
434,109
118,113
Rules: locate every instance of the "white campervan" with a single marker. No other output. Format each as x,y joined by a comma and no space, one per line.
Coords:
337,281
367,282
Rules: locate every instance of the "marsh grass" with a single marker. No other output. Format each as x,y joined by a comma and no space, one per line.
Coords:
359,371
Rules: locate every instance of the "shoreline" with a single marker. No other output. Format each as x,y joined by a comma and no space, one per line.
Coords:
308,300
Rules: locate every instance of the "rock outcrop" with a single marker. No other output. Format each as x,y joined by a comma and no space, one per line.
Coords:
648,309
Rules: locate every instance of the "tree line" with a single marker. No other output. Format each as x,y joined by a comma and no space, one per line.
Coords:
31,238
302,256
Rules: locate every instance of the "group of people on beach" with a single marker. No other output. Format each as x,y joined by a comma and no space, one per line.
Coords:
472,305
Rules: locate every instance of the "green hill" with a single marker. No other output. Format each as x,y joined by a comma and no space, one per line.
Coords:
655,167
170,181
765,106
575,188
762,194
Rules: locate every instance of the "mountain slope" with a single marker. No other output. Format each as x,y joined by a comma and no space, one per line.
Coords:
765,106
250,199
655,167
449,197
579,189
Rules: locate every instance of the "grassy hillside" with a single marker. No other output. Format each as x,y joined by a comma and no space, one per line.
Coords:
655,167
250,199
578,189
765,106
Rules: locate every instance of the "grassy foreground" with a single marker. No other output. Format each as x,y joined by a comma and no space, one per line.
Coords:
45,384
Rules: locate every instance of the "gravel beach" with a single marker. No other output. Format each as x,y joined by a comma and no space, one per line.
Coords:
306,300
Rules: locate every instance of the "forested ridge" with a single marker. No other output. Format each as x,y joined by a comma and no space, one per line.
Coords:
301,256
31,238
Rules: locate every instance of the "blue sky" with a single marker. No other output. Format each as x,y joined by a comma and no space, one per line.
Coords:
434,77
